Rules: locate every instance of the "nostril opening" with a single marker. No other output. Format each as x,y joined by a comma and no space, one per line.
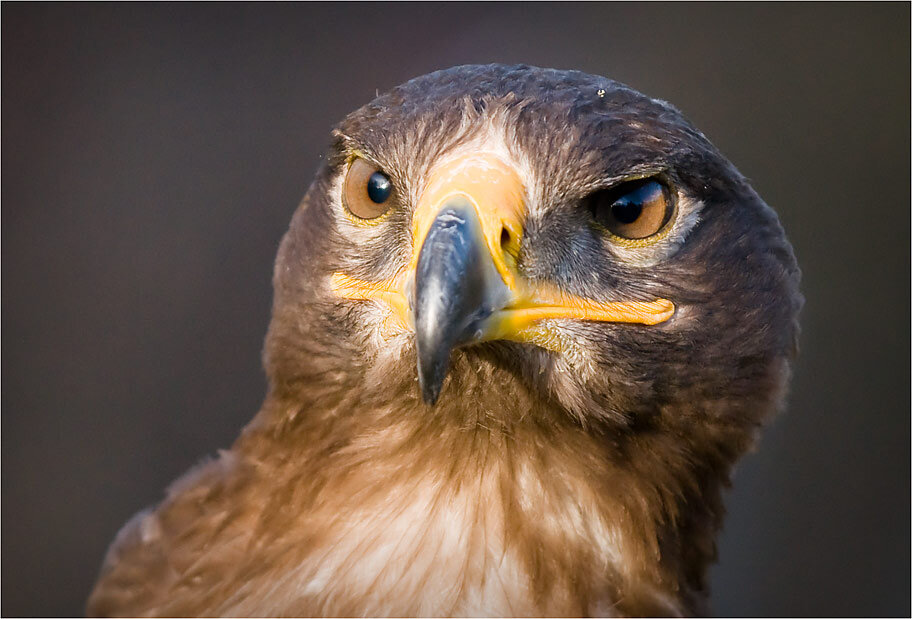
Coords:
504,238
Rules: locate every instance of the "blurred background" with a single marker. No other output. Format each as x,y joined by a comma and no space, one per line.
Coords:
152,156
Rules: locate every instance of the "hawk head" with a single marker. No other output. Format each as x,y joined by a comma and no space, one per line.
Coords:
488,231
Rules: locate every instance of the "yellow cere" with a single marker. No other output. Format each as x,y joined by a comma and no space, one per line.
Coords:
494,189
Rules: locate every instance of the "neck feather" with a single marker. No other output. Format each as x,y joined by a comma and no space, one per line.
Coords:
493,502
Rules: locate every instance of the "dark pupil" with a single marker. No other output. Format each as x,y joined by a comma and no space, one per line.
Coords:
379,187
626,210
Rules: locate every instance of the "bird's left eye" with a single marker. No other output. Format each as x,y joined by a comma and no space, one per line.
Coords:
366,191
633,210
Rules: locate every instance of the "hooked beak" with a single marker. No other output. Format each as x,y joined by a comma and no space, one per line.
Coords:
462,286
457,289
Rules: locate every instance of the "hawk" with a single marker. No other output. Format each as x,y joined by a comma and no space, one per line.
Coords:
525,321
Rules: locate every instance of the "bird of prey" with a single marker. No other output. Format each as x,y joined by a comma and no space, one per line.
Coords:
525,321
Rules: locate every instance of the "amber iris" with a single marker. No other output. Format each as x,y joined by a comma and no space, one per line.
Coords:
367,191
633,210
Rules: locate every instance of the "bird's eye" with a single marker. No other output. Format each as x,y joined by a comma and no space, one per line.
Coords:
367,190
633,210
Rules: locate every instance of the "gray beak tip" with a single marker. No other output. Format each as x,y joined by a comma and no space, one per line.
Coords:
430,393
431,373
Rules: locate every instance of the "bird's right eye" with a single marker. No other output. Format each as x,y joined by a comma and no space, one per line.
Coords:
634,210
367,191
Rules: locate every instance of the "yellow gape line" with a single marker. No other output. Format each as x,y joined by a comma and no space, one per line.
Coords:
522,323
386,292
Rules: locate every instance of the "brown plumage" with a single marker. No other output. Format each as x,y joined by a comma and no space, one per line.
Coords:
430,449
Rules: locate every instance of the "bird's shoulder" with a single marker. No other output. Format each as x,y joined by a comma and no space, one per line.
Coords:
161,549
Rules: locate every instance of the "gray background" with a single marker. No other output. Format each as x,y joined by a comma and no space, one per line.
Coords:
152,158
